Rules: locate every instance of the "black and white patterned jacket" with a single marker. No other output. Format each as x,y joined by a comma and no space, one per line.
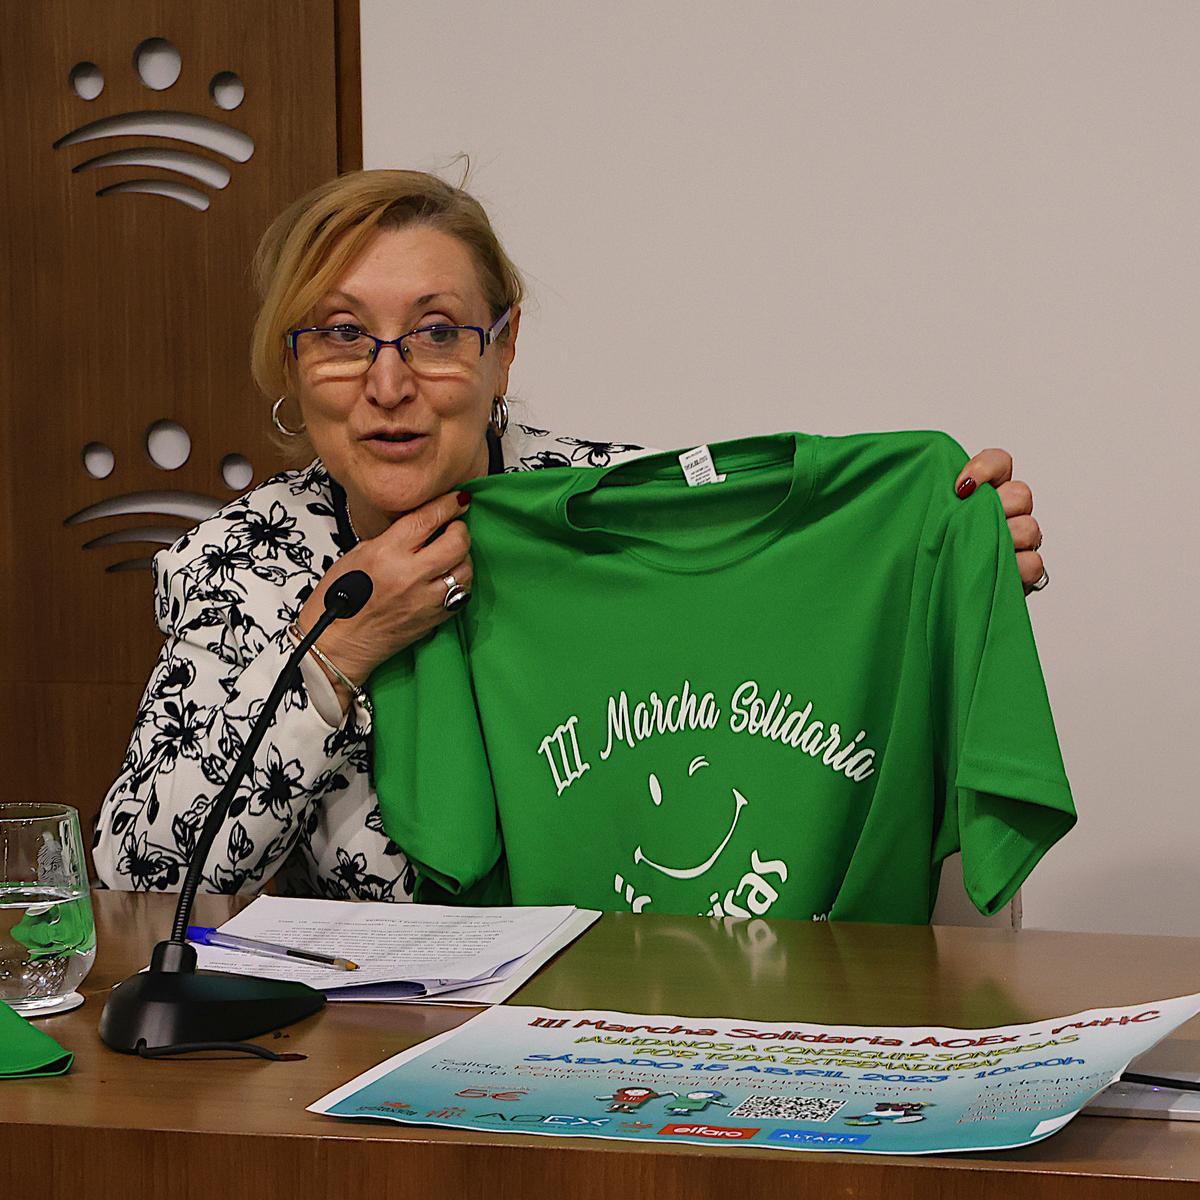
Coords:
225,595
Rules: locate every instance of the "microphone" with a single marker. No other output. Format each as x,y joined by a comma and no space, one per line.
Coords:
347,594
171,1004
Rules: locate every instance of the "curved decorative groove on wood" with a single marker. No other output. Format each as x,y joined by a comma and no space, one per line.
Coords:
194,505
192,197
162,535
201,131
129,564
202,169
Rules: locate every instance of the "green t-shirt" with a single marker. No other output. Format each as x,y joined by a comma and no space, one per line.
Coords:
794,691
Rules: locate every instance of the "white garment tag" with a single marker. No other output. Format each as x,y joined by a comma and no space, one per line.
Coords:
698,467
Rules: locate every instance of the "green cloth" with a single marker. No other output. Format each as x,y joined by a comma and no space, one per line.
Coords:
26,1051
792,692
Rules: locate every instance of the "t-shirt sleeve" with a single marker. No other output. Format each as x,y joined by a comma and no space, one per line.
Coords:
431,770
1006,799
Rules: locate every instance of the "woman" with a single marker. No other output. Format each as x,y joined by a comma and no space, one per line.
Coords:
388,328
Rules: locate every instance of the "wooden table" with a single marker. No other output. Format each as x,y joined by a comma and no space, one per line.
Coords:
118,1126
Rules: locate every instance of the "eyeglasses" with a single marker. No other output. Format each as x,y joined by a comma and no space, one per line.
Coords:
345,351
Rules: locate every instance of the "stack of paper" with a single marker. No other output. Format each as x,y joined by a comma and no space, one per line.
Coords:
405,952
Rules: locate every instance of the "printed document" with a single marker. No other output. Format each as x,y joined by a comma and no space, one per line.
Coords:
403,951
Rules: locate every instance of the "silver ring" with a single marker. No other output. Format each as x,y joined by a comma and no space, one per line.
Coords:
456,595
1041,583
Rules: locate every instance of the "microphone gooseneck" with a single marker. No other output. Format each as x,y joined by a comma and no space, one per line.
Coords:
344,598
170,1004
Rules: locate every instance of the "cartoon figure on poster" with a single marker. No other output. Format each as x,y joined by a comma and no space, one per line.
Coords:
900,1113
695,1102
630,1099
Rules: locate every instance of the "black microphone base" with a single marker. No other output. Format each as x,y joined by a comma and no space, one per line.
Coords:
162,1008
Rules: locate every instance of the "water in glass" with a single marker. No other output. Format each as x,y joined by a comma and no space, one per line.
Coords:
47,934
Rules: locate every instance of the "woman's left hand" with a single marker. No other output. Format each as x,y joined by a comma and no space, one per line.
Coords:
996,467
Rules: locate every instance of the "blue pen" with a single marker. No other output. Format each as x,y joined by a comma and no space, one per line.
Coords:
202,935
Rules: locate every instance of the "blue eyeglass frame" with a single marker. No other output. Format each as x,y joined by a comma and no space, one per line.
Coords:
486,336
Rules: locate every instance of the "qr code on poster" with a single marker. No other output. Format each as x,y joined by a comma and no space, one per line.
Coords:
789,1108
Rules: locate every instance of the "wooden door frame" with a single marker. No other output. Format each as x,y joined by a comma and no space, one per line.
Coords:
347,42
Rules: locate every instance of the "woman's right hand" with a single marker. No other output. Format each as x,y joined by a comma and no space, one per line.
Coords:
407,564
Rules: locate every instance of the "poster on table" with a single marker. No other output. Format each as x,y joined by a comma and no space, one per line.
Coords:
774,1085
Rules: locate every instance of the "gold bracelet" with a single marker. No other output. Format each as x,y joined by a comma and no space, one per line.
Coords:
356,690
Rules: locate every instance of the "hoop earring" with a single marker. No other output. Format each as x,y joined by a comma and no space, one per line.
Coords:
279,424
499,421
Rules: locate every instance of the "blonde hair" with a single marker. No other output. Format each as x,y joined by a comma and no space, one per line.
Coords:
317,237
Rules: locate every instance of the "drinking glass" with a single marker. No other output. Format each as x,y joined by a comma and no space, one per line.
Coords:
47,933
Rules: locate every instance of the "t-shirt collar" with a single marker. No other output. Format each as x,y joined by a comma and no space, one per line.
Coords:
658,479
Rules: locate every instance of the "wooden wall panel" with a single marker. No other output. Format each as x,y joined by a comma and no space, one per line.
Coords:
125,309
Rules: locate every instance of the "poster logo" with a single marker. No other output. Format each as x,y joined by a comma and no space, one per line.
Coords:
725,1133
817,1137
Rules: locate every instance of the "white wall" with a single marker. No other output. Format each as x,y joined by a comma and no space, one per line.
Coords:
978,217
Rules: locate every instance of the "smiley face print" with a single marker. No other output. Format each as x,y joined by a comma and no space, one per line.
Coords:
763,893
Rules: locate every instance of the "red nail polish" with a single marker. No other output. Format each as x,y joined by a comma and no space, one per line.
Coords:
966,487
464,498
